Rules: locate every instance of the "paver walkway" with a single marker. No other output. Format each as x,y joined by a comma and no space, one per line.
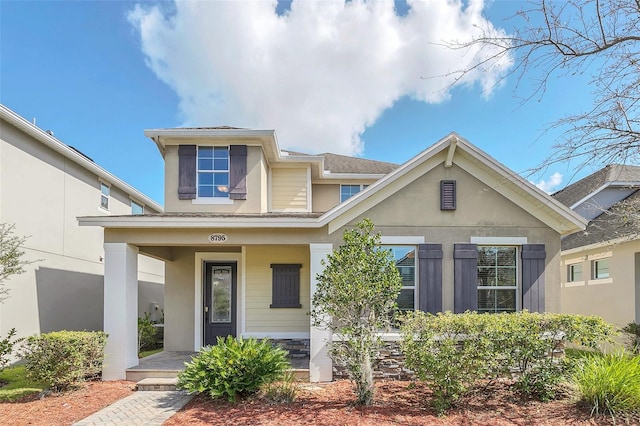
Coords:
139,408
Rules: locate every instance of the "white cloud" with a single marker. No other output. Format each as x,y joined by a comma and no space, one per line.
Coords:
319,74
549,186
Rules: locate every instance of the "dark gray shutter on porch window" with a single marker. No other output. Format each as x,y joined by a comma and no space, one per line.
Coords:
465,277
285,286
430,278
238,172
186,172
533,264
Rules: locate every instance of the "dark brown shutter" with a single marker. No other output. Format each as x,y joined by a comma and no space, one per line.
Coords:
430,278
285,286
447,195
465,277
533,264
186,172
238,172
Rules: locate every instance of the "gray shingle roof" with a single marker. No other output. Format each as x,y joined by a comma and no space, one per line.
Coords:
611,173
610,225
336,163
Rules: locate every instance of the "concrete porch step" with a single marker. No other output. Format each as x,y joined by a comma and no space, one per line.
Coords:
137,374
157,384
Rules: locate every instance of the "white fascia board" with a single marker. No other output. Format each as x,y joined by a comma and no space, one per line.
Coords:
196,222
199,133
63,149
589,195
601,244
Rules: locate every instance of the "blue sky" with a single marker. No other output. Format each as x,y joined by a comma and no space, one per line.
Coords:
97,73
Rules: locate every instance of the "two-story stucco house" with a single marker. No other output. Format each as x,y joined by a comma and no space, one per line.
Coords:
246,227
601,266
44,186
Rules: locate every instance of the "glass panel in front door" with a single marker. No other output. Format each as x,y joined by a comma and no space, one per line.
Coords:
221,294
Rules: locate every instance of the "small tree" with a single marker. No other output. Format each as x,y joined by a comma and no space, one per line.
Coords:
355,299
11,262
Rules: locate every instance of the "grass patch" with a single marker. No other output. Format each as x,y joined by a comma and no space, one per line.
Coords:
579,354
144,354
17,384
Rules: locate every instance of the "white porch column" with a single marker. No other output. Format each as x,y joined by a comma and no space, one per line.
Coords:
320,365
120,309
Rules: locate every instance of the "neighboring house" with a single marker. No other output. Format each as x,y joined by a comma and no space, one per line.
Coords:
601,266
44,186
247,226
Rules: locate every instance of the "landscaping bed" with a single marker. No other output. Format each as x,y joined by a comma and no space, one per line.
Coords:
397,403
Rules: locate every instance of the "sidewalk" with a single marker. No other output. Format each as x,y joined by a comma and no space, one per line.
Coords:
139,408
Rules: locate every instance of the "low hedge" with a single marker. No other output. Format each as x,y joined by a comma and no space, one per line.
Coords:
61,359
453,352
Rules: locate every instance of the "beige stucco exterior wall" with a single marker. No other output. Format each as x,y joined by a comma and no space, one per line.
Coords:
615,298
290,189
42,192
325,197
256,185
259,316
481,212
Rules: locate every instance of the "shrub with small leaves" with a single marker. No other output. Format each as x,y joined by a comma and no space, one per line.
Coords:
633,331
233,367
148,335
6,348
62,359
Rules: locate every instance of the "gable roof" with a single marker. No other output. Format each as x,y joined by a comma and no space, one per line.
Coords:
335,163
449,150
608,227
47,139
613,173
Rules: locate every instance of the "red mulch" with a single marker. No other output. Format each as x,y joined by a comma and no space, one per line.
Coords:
64,408
397,403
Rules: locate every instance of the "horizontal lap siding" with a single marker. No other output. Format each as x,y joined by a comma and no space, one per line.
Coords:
289,189
259,316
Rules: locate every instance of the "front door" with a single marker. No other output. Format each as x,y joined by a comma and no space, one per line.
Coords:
219,301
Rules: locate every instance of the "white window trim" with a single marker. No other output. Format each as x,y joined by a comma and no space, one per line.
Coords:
361,185
132,201
205,200
109,197
499,241
415,286
518,286
569,265
401,240
593,270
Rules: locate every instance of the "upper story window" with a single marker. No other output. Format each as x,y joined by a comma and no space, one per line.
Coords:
574,272
136,208
105,192
213,172
600,268
348,191
497,279
405,257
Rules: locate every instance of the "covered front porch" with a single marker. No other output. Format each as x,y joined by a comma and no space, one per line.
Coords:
195,313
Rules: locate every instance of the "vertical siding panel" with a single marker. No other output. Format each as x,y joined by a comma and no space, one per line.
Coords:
430,277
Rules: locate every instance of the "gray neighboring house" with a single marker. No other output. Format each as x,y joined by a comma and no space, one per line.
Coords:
601,265
44,186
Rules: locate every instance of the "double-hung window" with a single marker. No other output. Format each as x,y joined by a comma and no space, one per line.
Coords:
498,279
105,192
405,257
213,172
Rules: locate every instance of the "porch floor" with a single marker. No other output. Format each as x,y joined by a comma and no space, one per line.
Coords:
169,363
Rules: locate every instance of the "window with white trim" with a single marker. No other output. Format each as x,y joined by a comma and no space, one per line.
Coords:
498,269
600,268
574,272
348,191
213,172
105,192
405,257
136,208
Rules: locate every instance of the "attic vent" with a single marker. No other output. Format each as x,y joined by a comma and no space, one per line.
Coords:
447,195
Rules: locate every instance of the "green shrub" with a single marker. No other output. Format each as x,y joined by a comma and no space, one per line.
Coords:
62,359
6,348
148,335
452,352
610,384
233,367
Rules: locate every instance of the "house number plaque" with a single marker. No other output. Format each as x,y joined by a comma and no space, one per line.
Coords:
218,238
